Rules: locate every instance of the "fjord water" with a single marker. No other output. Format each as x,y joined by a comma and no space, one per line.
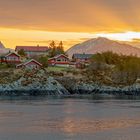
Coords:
70,118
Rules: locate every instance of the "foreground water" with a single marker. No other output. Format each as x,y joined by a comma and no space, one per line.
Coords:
70,118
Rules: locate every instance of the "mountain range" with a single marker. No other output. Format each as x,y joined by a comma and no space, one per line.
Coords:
99,45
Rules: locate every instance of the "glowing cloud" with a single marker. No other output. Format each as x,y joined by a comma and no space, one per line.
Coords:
29,22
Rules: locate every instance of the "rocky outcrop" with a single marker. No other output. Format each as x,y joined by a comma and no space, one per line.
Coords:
35,83
41,83
99,89
80,87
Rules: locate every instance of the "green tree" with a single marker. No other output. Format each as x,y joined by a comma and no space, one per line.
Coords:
22,53
43,60
60,48
107,57
123,69
130,66
52,49
55,50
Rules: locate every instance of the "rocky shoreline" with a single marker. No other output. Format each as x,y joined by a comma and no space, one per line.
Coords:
98,89
53,87
78,89
49,87
40,83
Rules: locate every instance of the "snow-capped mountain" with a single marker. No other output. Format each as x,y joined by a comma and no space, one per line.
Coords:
98,45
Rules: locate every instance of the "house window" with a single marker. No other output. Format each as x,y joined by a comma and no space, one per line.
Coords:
59,60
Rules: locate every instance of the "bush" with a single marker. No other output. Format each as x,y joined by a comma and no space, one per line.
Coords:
121,68
42,59
107,57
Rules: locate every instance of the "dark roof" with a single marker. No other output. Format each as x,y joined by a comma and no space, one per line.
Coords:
33,48
82,56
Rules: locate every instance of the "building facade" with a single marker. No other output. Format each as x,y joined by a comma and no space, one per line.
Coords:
59,60
33,50
11,58
31,64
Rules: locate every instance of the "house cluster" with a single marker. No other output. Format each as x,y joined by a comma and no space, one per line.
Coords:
14,59
78,60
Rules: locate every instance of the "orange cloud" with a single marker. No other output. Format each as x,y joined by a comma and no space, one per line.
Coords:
29,22
71,16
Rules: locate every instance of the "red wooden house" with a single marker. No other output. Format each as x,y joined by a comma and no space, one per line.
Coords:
59,60
11,58
31,64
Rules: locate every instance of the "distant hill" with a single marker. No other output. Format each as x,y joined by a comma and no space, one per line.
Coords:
99,45
1,45
3,49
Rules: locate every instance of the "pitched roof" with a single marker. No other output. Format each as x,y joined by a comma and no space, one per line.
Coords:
32,60
33,48
57,56
82,56
12,53
25,63
60,55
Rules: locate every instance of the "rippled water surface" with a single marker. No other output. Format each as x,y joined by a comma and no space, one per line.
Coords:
70,118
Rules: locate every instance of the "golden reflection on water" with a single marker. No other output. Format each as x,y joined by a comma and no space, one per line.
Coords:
71,126
73,121
74,126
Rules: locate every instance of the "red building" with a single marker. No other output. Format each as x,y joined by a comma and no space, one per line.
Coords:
33,50
80,65
59,60
11,58
31,64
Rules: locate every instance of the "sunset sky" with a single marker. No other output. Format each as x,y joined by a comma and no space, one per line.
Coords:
32,22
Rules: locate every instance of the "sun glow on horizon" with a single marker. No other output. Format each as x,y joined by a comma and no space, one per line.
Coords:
125,36
13,37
